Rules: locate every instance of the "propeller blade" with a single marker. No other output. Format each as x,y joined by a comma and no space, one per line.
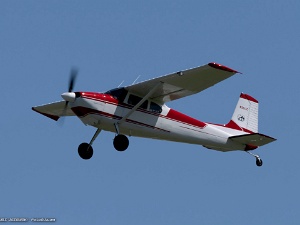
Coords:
64,111
72,80
73,76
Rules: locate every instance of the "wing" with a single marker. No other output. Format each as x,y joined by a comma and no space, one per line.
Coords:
183,83
54,110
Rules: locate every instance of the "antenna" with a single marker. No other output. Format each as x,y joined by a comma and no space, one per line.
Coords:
121,83
136,79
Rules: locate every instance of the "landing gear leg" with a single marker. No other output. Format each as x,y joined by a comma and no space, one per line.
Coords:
259,161
85,150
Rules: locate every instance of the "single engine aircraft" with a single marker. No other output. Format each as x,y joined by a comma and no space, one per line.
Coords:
140,110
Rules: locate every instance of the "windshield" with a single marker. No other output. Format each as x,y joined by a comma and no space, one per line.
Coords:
118,93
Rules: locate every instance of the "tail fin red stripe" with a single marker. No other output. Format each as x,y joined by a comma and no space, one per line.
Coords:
234,126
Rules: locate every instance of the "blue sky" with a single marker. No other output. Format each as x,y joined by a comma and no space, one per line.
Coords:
153,182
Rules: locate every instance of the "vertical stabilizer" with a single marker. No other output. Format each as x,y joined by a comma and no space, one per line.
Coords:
245,116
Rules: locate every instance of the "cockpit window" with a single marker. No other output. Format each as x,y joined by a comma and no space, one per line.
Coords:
118,93
155,107
133,100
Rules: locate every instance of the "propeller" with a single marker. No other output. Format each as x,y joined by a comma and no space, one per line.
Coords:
72,79
70,95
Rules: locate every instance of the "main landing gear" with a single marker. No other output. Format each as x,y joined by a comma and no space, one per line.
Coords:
85,150
121,143
259,161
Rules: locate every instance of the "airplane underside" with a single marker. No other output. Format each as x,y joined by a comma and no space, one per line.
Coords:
121,142
147,131
208,136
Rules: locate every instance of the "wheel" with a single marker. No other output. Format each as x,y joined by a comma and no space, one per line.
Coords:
259,162
121,142
85,151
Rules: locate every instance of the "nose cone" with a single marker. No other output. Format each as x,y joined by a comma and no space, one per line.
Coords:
69,96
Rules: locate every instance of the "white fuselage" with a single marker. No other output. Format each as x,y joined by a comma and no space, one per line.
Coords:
103,111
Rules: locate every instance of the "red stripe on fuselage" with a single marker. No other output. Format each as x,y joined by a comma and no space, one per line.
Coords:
108,99
234,126
99,96
83,111
180,117
172,114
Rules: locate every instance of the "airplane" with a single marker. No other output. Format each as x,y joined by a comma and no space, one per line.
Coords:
140,110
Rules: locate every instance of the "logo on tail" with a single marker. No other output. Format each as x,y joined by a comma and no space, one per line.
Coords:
241,118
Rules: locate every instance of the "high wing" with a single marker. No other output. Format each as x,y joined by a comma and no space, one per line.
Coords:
54,110
183,83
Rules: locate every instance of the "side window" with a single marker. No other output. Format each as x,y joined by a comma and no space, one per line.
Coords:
133,100
155,107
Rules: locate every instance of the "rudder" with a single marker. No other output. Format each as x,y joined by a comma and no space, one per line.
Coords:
245,116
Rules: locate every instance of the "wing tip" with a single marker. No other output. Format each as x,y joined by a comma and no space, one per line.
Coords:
53,117
221,67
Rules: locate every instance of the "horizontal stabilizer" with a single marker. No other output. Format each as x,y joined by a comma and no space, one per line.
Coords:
54,110
255,139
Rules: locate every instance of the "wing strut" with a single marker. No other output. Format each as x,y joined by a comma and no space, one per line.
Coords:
138,105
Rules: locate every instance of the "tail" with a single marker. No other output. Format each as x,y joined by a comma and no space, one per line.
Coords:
245,116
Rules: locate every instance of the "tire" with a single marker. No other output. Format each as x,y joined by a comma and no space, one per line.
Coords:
121,142
259,162
85,151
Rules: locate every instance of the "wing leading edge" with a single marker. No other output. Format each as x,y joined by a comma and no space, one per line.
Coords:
183,83
54,110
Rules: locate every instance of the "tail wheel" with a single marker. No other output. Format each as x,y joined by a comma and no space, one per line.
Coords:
259,162
85,151
121,142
